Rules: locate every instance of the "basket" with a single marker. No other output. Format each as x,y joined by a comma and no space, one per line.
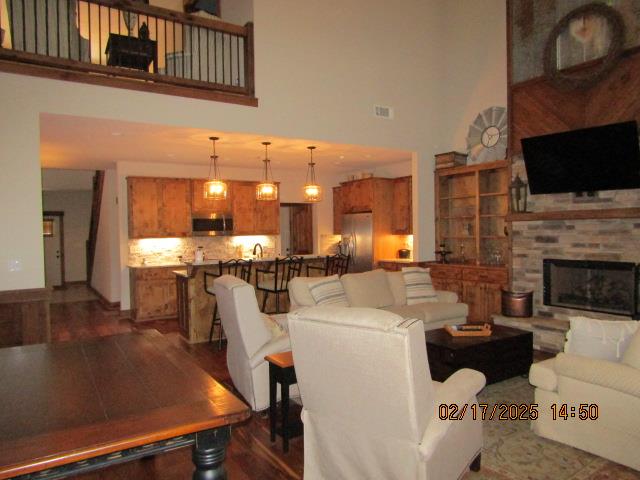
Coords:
469,330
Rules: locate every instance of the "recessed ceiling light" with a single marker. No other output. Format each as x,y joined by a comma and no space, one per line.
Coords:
116,134
337,162
368,155
171,155
341,157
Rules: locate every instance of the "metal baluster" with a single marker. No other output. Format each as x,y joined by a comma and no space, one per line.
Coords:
238,58
89,22
79,37
157,48
24,28
58,27
11,24
175,59
100,34
215,56
46,24
35,20
223,62
68,23
208,31
166,47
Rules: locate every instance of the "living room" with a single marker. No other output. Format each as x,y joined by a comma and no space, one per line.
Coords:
319,72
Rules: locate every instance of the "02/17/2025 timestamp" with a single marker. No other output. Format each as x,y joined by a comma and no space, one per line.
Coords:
584,411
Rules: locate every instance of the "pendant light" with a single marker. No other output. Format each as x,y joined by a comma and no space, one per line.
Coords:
214,188
312,191
267,190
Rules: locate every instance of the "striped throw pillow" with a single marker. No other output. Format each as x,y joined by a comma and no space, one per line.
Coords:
418,284
328,291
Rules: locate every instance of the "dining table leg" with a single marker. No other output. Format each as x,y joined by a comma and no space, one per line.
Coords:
209,452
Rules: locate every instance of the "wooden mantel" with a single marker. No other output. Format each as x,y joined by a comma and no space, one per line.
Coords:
599,214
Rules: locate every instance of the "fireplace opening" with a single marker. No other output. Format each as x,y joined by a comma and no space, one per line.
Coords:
597,286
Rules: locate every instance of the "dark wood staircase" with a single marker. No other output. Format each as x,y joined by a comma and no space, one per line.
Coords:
98,183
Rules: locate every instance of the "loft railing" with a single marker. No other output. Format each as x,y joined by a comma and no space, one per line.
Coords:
122,39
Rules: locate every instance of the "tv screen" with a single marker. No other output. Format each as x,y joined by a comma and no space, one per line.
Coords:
586,160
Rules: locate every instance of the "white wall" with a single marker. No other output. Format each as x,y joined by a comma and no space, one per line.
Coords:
106,264
62,179
76,205
320,68
387,170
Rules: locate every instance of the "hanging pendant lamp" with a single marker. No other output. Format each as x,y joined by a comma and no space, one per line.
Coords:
311,190
267,189
214,188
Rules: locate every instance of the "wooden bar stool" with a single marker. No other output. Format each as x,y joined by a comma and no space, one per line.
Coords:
238,268
276,278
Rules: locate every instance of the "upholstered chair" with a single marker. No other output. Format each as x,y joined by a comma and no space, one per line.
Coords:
370,407
251,335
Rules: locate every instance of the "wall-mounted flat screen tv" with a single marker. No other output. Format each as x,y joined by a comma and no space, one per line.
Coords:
586,160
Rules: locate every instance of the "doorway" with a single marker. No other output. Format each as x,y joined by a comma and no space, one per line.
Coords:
296,228
53,235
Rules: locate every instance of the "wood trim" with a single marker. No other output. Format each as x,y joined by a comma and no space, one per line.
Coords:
24,296
58,213
471,168
608,213
154,86
103,301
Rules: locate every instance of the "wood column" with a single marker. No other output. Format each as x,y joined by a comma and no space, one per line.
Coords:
24,317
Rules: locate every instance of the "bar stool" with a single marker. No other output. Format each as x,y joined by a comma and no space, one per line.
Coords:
276,278
238,268
333,264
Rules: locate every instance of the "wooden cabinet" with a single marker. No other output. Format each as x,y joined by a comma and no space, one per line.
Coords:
402,210
357,195
471,205
144,207
253,217
183,307
337,210
207,206
159,207
153,293
478,286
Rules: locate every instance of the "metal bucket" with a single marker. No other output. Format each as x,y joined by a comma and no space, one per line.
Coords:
517,304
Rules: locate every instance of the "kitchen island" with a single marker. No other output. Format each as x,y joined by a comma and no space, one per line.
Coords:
195,306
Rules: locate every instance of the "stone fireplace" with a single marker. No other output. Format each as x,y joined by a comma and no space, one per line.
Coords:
597,286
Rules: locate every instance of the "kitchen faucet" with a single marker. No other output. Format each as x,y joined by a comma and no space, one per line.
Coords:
255,249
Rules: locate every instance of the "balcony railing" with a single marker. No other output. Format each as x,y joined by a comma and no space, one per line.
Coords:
130,45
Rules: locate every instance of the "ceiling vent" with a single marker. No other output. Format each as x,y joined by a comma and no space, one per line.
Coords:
381,111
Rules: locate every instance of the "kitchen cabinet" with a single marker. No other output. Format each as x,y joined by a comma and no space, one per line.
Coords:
478,286
205,206
153,293
253,217
357,195
159,207
402,211
337,210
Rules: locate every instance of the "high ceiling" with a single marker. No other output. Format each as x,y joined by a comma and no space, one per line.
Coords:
91,143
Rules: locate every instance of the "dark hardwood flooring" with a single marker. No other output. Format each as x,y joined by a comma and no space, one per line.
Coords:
251,455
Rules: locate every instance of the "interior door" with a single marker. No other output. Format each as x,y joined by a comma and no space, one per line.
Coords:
301,229
52,252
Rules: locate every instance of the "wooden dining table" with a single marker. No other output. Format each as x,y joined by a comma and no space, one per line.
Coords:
70,408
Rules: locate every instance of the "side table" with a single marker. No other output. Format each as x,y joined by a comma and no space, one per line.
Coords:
281,370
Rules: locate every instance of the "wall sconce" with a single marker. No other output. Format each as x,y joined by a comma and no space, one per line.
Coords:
518,195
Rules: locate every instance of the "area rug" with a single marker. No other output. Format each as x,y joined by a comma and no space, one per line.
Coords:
513,452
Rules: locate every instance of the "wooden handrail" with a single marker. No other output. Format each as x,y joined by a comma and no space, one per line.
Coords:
172,15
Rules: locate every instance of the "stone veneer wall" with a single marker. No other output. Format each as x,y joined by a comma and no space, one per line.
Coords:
614,240
165,251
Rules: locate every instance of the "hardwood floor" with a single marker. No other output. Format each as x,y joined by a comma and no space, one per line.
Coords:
251,455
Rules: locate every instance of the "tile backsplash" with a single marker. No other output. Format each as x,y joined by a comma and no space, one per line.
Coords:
166,251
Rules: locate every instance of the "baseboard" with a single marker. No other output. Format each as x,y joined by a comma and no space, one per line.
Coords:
103,301
76,282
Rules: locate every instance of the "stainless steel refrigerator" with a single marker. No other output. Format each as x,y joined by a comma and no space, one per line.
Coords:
357,240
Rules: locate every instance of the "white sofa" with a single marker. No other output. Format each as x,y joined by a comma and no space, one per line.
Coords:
612,385
386,290
370,408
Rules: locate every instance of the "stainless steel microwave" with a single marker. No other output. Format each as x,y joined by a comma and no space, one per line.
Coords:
211,227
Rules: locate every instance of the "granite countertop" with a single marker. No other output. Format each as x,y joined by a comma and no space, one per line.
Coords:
398,260
214,261
156,265
181,273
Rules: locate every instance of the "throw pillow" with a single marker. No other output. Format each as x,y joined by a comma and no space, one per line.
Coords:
631,355
328,291
419,286
604,339
274,327
368,289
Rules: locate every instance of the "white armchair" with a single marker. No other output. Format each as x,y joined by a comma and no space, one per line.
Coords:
251,335
370,407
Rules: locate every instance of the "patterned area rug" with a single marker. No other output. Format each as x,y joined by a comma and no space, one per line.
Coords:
513,452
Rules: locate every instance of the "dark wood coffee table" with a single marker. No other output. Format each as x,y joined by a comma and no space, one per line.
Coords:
69,408
508,352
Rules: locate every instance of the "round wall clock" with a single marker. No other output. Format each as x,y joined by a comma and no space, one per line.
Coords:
487,137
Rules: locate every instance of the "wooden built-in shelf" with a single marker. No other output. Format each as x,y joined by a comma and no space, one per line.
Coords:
608,213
